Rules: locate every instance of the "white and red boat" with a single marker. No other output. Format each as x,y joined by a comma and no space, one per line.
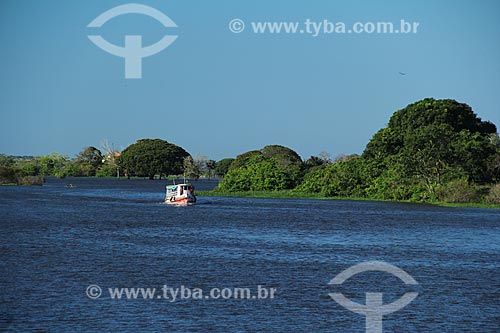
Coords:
180,194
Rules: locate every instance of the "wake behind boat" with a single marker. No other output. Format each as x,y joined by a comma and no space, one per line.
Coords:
180,194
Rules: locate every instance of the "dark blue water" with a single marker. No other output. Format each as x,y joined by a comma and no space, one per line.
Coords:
55,242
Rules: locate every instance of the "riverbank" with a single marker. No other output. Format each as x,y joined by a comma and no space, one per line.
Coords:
291,194
18,179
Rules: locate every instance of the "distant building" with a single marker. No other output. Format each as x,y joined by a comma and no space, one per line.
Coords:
111,157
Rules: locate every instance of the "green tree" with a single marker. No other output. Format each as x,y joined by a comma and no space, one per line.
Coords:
76,169
493,163
19,171
223,166
344,178
288,164
314,162
7,175
107,170
493,196
260,173
289,160
6,161
110,166
29,167
242,160
86,164
191,168
150,157
52,164
90,155
211,166
433,141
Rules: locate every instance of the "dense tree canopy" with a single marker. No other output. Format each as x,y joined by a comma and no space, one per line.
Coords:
433,141
150,157
222,166
430,150
289,160
242,160
345,178
6,161
260,173
19,171
271,168
86,163
52,164
90,155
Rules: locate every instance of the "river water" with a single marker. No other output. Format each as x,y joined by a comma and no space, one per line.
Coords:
56,241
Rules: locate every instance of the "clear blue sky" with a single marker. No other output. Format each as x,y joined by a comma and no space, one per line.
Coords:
220,94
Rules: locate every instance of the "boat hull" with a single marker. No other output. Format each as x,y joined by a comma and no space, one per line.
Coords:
180,201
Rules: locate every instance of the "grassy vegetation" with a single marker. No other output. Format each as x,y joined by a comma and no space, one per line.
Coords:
282,194
468,205
291,194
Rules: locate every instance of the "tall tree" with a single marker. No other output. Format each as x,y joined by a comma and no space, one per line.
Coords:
434,141
110,159
211,166
271,168
222,166
289,160
90,155
52,164
6,161
150,157
191,168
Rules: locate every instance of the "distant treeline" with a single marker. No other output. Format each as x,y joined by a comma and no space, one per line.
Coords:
146,158
432,150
